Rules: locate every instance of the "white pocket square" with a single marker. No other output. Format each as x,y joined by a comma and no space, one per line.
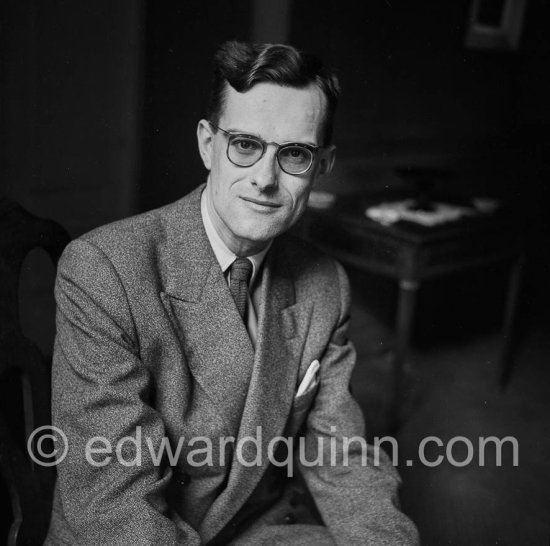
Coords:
310,379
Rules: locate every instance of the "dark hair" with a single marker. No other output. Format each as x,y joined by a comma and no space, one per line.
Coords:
243,65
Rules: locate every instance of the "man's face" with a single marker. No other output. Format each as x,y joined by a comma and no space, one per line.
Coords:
249,206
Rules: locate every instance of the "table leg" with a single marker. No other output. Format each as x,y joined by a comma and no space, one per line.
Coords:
506,355
405,312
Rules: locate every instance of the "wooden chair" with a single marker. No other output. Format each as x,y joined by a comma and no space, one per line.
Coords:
24,379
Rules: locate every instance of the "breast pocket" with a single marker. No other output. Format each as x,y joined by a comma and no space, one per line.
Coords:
300,408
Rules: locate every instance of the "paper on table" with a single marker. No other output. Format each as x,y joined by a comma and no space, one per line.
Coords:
391,212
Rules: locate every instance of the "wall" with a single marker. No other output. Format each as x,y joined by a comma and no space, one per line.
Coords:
71,117
413,94
406,74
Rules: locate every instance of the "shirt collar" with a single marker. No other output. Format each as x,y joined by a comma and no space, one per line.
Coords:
224,256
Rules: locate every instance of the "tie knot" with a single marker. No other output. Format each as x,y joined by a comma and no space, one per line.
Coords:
241,270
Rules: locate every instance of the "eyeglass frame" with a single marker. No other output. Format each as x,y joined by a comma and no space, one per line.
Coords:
310,147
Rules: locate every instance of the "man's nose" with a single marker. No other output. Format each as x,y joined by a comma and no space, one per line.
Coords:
266,171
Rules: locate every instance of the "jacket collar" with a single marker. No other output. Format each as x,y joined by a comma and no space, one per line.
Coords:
190,256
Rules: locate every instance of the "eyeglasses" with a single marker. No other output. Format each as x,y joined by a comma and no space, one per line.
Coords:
246,150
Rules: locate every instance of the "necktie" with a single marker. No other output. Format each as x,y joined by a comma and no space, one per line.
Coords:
239,277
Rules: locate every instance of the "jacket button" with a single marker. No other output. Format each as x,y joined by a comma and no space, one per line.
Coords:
182,478
290,518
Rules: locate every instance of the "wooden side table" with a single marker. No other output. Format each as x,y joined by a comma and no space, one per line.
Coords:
411,253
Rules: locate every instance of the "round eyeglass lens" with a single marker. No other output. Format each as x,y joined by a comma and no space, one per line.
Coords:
295,159
244,151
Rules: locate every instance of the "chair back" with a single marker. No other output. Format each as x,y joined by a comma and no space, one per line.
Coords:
24,380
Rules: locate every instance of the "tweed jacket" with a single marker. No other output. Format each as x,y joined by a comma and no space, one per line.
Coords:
149,338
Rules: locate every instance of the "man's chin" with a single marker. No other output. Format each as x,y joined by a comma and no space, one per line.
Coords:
258,239
259,232
259,242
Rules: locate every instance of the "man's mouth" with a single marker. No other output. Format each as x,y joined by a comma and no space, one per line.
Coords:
262,203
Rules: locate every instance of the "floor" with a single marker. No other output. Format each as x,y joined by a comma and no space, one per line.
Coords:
453,390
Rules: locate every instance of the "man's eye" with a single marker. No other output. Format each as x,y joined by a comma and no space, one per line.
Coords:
296,154
245,145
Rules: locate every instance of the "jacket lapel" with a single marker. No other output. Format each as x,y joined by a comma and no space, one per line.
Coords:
282,329
215,342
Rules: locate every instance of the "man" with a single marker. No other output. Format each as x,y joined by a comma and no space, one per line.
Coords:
202,321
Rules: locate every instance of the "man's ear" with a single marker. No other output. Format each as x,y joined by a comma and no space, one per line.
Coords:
326,161
205,142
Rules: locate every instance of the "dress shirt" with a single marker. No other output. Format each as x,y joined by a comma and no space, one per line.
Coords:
225,258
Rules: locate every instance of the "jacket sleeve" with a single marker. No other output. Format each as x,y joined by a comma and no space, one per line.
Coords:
354,489
102,389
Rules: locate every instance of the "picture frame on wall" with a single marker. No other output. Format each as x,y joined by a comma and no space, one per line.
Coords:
495,24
